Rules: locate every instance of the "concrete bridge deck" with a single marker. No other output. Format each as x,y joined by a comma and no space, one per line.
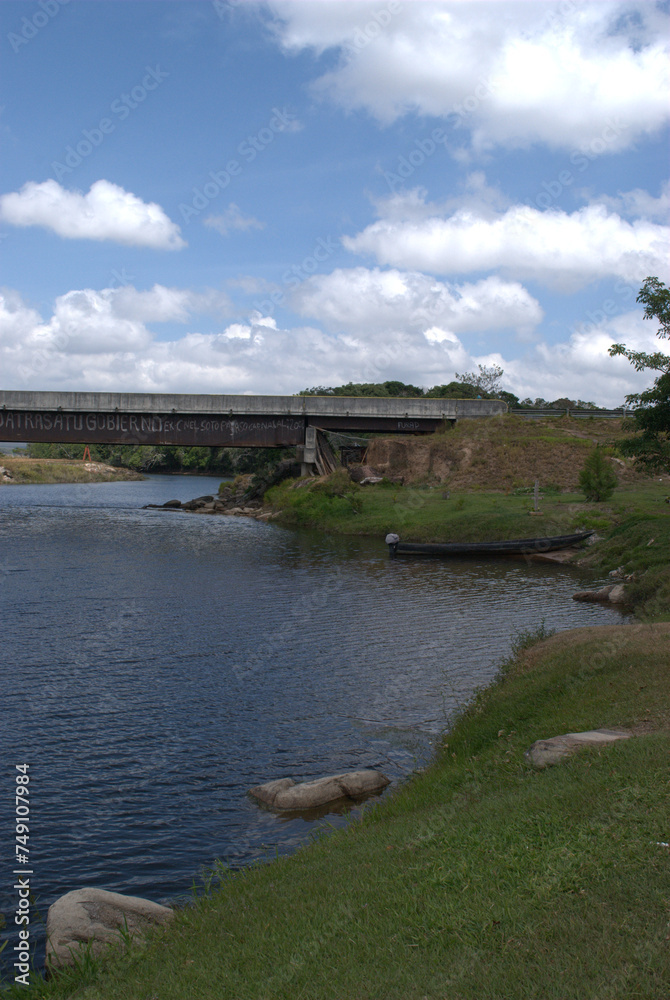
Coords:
219,421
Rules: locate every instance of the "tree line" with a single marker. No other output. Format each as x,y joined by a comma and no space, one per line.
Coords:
483,384
170,459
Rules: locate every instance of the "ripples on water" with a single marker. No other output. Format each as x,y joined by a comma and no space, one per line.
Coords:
157,665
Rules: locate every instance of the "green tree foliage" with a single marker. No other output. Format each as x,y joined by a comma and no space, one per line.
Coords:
562,403
167,459
486,380
509,398
385,389
456,390
652,416
484,385
597,479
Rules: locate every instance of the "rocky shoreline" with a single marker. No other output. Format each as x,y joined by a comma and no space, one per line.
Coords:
240,498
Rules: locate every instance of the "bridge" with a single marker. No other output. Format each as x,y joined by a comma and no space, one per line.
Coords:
221,421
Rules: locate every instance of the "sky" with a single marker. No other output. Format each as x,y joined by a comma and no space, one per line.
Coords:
242,197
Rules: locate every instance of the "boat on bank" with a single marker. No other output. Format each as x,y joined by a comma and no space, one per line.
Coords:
510,547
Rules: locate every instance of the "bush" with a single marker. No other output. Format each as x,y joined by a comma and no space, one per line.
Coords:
597,479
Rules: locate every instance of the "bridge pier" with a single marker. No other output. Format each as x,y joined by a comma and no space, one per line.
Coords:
308,457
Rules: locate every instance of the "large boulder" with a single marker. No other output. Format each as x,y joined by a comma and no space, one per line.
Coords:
287,796
614,593
98,918
617,594
551,751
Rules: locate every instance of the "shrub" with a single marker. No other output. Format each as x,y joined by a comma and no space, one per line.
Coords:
597,479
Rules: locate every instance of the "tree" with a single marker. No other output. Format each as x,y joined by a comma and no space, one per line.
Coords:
597,479
488,379
455,390
403,389
509,398
652,416
468,386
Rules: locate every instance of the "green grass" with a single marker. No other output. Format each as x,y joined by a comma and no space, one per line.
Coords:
27,471
637,537
421,513
478,879
635,516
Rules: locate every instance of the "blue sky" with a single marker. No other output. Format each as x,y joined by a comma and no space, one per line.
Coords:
261,197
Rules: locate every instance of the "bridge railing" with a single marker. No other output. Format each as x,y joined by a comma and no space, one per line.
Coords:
549,411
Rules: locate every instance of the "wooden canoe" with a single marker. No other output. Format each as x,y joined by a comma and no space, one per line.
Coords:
516,546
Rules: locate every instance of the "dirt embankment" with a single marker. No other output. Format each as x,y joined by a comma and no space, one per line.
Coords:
505,454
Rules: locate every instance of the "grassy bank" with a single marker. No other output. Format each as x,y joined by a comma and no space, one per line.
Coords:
475,482
633,527
479,878
23,471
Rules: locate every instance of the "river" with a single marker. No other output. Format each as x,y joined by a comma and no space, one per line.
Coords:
157,665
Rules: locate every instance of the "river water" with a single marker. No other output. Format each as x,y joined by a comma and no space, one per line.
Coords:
157,665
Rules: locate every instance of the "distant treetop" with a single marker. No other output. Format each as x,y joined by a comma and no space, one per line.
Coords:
469,385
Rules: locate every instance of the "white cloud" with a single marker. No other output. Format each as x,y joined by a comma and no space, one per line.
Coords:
232,219
84,345
581,368
553,247
238,331
640,204
85,322
475,195
159,304
162,305
369,302
436,335
106,322
559,73
107,212
16,320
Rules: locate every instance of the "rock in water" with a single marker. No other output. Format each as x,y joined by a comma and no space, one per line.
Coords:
551,751
97,917
612,592
617,594
285,795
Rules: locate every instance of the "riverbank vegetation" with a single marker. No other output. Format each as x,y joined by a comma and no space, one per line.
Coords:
652,415
479,877
23,471
169,460
476,483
